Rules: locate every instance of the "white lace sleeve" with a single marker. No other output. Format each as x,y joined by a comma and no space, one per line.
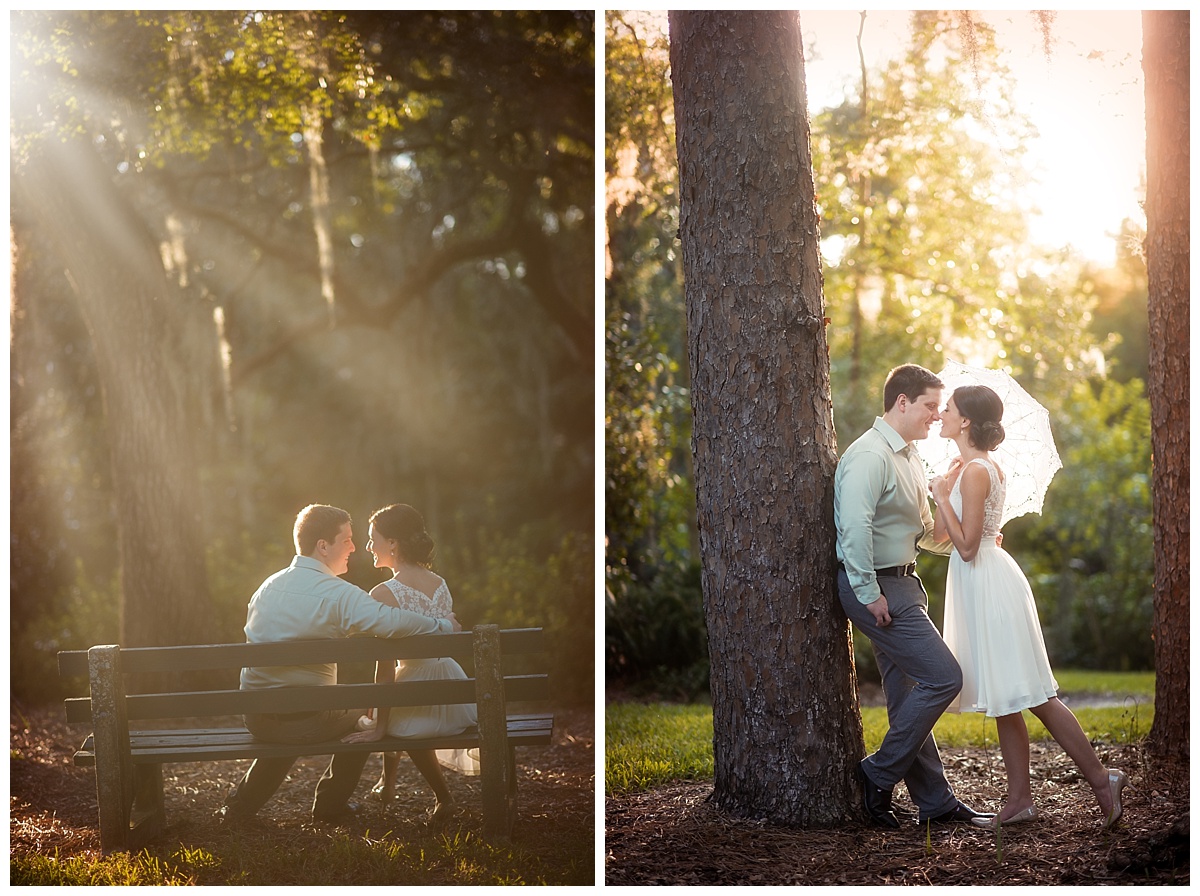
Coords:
993,507
443,603
439,606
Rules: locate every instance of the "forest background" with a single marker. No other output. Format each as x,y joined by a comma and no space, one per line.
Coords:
927,257
271,259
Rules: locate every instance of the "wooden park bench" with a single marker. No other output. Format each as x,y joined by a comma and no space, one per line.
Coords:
507,668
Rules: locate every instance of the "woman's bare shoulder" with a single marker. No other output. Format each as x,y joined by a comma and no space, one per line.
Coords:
976,477
384,595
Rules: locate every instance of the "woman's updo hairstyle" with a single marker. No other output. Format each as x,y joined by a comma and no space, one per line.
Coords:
404,525
983,408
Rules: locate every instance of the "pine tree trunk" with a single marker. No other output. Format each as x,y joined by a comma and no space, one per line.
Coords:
118,275
787,732
1165,60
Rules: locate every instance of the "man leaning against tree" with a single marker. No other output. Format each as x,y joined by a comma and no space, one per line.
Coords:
881,511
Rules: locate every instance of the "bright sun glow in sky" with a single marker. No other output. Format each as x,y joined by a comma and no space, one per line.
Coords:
1086,101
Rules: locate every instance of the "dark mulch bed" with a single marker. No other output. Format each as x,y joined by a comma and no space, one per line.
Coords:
674,836
53,804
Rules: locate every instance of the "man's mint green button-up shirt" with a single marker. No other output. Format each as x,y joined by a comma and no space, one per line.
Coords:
307,601
880,508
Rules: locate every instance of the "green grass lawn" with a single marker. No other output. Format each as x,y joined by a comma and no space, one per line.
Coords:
455,858
651,744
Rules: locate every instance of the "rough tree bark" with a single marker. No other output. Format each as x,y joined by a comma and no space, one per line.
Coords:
787,732
1165,61
118,275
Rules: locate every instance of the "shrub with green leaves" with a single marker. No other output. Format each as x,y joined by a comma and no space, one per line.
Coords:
521,583
1090,556
655,634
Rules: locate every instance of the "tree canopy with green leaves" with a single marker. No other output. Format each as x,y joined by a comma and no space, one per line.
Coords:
926,257
928,254
363,275
648,493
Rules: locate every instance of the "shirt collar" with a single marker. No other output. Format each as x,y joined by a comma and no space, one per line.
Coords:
300,561
894,439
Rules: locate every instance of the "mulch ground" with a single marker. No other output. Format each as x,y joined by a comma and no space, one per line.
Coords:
670,836
675,836
53,804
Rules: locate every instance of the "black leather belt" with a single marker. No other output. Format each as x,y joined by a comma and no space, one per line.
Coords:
895,571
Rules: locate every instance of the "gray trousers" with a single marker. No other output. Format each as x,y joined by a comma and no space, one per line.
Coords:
920,679
265,775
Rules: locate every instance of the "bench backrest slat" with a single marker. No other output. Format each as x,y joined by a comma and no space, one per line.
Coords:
198,704
190,658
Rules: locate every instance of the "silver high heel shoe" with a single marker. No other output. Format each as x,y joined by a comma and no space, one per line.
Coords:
990,823
1116,783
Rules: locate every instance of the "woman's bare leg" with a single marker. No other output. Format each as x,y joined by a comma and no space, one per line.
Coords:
1064,728
1014,748
391,761
386,786
427,764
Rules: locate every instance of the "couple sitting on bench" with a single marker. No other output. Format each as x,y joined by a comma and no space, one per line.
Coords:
308,601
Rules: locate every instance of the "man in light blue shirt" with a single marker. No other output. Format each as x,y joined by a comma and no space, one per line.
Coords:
881,511
307,601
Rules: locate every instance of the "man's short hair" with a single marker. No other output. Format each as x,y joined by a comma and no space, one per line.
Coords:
317,522
910,380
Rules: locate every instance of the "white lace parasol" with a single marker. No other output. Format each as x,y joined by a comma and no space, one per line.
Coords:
1027,455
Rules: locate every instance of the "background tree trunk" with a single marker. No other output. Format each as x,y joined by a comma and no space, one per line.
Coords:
1165,60
118,275
787,732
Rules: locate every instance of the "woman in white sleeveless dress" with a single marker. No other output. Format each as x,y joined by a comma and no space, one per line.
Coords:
398,541
991,621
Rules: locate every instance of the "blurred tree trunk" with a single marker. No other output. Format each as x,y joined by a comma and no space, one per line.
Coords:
787,732
118,275
1165,60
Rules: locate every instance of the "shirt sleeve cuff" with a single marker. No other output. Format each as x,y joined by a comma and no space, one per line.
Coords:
868,597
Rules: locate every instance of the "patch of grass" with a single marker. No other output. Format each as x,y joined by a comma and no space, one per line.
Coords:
647,745
119,869
1078,682
378,859
458,858
650,744
1108,724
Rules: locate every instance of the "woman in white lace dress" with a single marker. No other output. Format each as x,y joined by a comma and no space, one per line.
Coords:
991,621
398,541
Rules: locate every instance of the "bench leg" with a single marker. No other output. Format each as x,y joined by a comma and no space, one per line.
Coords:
511,804
112,807
500,793
148,815
492,780
494,752
114,779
